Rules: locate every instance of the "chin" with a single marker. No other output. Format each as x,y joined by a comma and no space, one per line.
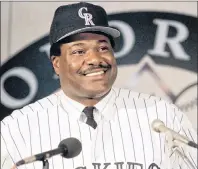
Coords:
97,92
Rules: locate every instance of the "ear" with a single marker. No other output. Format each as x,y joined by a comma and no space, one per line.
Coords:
56,63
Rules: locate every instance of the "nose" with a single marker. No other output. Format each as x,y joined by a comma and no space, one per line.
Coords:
93,58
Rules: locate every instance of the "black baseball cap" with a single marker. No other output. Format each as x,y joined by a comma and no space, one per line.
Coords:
77,18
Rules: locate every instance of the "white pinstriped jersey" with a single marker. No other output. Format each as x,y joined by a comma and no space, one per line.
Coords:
123,138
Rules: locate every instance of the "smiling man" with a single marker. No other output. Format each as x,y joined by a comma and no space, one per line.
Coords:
113,124
86,67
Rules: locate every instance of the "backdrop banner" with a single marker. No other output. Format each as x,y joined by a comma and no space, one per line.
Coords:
156,54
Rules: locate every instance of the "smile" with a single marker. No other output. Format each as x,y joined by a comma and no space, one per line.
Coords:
95,73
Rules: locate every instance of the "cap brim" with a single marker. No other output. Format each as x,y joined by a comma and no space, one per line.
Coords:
108,30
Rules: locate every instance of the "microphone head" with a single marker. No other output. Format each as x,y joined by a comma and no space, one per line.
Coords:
72,146
156,125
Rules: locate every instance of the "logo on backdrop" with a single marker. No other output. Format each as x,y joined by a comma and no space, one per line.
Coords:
160,51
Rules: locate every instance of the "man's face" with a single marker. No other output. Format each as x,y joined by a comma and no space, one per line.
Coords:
87,67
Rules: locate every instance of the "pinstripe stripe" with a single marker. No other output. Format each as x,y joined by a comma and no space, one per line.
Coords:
3,162
129,93
49,101
14,141
90,133
192,160
179,130
107,102
184,132
30,108
174,121
20,131
81,141
166,125
130,129
59,124
159,133
39,131
112,142
7,149
68,123
120,132
11,116
149,128
21,112
119,92
191,136
95,145
181,119
184,154
103,143
189,155
50,136
30,138
30,132
59,132
69,132
3,122
140,132
57,113
172,153
40,104
166,114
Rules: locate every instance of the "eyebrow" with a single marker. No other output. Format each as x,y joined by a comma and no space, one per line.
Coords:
103,41
77,44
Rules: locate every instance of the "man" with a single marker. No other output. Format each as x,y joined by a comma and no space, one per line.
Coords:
113,125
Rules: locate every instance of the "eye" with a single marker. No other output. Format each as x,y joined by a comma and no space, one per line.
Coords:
78,52
104,48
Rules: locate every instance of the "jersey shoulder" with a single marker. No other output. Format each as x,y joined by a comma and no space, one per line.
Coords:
131,94
40,105
142,101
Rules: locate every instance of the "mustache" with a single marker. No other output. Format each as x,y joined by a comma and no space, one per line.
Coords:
92,67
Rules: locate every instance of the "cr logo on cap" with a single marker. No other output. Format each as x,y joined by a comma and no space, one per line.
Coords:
87,16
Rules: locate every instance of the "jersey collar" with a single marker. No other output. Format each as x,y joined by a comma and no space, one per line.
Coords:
105,107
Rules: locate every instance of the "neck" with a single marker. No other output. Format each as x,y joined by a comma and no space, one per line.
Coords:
87,101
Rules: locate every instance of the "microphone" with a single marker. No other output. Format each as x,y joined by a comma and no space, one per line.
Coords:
160,127
67,148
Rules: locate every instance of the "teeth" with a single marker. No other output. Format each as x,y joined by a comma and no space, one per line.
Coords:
95,73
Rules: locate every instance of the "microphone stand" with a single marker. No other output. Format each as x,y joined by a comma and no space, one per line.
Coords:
173,146
45,164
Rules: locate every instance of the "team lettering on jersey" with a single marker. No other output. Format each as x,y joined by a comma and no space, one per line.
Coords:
120,165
